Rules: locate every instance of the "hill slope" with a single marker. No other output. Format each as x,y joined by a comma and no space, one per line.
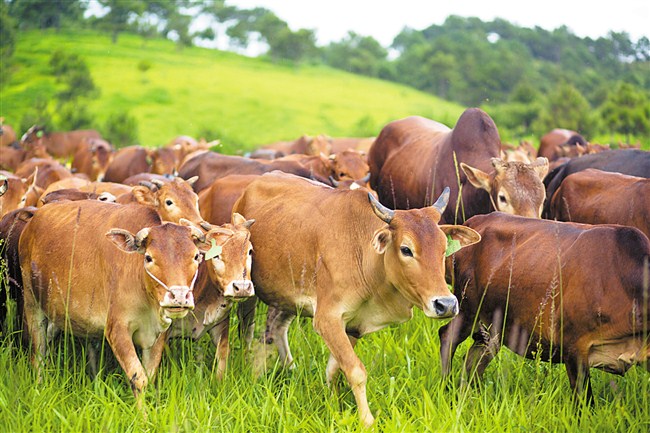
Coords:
243,101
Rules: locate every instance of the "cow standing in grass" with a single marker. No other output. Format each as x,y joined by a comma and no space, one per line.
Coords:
347,261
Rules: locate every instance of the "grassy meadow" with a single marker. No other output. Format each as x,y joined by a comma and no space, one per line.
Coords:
245,103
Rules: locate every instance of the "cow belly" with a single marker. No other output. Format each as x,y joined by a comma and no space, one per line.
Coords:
372,316
617,356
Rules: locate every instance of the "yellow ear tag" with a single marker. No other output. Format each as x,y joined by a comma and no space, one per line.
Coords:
214,250
453,245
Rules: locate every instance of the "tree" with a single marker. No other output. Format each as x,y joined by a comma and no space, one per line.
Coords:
43,14
566,108
289,45
120,15
357,54
627,111
7,42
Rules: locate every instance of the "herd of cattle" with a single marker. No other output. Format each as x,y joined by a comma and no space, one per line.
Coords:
124,244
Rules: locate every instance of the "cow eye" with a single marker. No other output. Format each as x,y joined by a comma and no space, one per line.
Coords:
341,174
502,199
406,251
168,202
148,258
197,257
250,252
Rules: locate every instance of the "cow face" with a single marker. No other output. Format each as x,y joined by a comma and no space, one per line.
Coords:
102,155
349,165
171,263
173,200
514,187
413,246
230,257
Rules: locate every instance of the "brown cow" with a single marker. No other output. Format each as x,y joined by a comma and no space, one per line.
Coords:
223,279
414,158
561,142
359,144
137,179
571,293
164,161
7,134
14,190
355,266
77,279
92,158
349,165
216,202
73,194
306,145
598,197
58,144
209,166
49,171
126,162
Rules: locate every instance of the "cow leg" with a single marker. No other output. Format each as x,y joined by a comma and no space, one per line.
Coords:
332,329
246,315
35,322
277,331
120,340
271,316
451,335
485,348
219,336
151,357
333,367
579,379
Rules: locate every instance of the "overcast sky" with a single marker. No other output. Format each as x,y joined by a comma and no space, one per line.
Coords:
384,19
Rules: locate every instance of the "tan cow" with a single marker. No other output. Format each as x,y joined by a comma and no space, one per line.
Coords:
347,261
92,158
77,279
224,278
62,144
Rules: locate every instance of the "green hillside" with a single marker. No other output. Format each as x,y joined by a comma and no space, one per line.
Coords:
243,101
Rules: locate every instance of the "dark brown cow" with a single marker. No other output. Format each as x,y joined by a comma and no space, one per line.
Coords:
92,158
561,142
413,159
11,226
223,279
126,162
570,293
76,278
355,266
58,144
598,197
632,162
209,166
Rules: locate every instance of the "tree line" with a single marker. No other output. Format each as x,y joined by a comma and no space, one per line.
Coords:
530,79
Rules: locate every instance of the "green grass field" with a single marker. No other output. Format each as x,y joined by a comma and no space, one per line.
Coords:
244,102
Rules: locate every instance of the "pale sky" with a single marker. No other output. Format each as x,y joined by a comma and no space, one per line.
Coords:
384,19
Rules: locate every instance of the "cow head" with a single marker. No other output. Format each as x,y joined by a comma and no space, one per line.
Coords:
164,161
171,263
349,165
101,157
173,200
414,246
514,187
229,257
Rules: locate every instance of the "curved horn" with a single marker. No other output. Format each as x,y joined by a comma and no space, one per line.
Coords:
196,233
192,180
205,225
248,223
385,214
159,183
141,236
441,204
148,184
334,182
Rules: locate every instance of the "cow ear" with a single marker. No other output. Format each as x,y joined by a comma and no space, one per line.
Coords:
541,167
476,177
465,235
123,239
144,195
381,239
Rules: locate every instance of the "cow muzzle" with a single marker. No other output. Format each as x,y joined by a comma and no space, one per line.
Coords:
239,289
442,307
178,301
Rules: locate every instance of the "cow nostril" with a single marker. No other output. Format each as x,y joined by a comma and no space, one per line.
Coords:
445,306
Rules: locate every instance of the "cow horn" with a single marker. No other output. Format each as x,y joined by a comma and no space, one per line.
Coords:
192,180
442,201
334,182
196,233
107,197
147,184
159,183
205,225
385,214
4,187
248,223
365,179
141,236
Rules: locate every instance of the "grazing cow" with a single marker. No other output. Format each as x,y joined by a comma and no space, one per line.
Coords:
632,162
354,266
561,142
126,162
11,226
570,293
597,197
223,279
76,279
58,144
209,166
413,159
92,158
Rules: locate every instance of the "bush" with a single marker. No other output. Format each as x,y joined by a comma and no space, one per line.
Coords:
121,129
74,116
